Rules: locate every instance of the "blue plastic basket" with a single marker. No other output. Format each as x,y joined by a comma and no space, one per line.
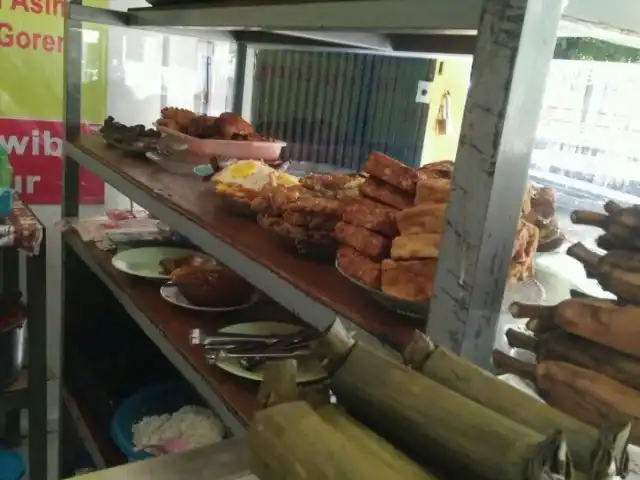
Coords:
155,399
12,465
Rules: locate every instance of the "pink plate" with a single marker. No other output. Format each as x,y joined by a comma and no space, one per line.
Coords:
240,150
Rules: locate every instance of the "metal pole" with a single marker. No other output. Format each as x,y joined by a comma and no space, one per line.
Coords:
243,80
516,39
72,77
37,338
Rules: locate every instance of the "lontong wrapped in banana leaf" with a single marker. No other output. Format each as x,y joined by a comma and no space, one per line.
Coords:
425,419
592,451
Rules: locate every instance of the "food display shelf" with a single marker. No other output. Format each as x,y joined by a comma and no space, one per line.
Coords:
317,294
168,326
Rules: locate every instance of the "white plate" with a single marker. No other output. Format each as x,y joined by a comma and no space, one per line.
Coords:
309,369
172,295
145,262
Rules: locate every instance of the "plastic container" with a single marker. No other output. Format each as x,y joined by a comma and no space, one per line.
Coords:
6,170
6,201
155,399
240,150
12,465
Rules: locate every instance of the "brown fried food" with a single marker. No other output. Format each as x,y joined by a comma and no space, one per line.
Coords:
391,171
372,216
179,116
333,185
168,265
543,202
212,286
273,199
434,170
368,243
434,190
201,126
358,267
428,218
311,222
386,194
412,280
315,205
229,124
416,247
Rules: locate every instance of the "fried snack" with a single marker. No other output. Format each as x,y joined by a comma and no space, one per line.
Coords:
315,205
526,201
229,124
435,170
372,216
178,118
236,192
433,190
279,226
201,126
311,222
520,242
333,185
416,247
543,202
391,171
358,267
366,242
168,265
412,280
422,219
212,286
273,199
386,194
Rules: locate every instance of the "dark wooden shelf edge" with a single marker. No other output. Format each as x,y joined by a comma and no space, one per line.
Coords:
230,417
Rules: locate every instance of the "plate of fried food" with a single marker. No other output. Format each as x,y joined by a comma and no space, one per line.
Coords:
303,217
227,135
157,263
240,183
208,287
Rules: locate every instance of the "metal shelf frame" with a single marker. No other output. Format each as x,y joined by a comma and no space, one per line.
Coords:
514,38
510,39
32,394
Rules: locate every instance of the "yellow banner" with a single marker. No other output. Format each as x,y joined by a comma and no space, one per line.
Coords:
31,55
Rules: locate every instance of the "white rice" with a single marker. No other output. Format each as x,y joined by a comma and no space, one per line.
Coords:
196,426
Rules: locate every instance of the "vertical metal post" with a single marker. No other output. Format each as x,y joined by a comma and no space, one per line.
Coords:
10,277
243,81
37,338
72,77
516,39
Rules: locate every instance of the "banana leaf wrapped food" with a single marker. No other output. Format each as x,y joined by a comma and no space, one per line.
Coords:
593,451
426,419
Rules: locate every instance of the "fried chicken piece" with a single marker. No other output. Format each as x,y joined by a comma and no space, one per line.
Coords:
412,280
386,194
229,124
358,267
391,171
179,116
202,126
372,216
311,222
368,243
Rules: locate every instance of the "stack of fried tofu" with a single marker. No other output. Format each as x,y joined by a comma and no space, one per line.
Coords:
374,251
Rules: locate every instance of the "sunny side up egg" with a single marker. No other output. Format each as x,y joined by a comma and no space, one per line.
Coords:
250,174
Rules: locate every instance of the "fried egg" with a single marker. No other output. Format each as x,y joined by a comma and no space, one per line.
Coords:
250,174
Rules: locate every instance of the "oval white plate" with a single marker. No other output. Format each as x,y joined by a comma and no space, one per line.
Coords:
145,262
309,369
172,295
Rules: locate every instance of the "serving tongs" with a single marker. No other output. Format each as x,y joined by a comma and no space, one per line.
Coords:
250,361
249,342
